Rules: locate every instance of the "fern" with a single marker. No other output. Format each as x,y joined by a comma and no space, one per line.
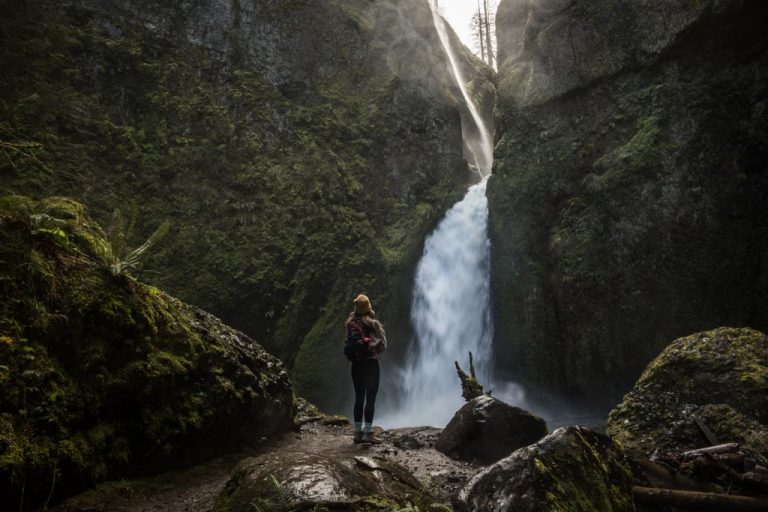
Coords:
132,259
115,253
279,498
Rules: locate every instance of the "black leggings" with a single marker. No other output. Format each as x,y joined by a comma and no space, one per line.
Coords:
365,377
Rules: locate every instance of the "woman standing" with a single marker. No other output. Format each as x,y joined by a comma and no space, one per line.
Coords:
365,341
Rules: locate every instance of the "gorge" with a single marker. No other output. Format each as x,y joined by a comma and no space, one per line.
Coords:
564,218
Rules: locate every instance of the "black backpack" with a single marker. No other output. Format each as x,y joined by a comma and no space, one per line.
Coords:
357,345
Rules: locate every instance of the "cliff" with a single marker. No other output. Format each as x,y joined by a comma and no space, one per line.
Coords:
628,199
301,150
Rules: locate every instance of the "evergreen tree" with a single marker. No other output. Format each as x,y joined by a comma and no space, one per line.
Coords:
482,26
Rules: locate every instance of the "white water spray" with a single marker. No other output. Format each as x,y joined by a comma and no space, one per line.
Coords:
451,302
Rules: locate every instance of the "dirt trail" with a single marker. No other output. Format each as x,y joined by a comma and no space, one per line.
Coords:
195,489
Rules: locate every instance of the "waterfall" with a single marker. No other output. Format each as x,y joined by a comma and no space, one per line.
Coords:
481,145
451,296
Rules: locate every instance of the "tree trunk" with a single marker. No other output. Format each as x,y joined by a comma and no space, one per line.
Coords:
488,43
699,501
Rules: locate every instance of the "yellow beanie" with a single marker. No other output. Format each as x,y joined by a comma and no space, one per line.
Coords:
362,305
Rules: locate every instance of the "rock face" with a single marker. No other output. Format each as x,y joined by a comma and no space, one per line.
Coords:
627,202
105,377
573,469
719,377
301,149
486,429
279,482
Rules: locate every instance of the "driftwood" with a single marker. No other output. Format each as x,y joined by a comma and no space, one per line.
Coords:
711,469
700,501
713,450
659,476
470,388
722,477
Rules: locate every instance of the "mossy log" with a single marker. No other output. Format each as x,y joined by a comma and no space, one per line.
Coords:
703,501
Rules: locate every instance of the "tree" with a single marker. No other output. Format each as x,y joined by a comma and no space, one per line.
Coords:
488,42
478,38
482,26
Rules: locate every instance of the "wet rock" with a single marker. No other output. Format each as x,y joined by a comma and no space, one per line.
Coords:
487,429
288,480
298,478
573,469
104,376
307,412
337,420
627,202
414,438
564,44
718,377
407,442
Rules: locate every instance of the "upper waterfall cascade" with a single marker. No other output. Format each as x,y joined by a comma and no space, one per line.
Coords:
451,296
481,143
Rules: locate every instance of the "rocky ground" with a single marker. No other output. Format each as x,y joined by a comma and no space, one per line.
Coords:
196,489
697,446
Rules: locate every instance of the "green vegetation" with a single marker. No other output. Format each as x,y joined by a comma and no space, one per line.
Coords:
719,377
627,211
288,190
573,469
591,474
103,376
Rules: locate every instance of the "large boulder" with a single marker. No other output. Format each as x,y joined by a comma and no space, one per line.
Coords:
573,469
105,377
284,481
486,429
718,378
627,204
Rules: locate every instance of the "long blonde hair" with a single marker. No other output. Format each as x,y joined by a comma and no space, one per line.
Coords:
368,319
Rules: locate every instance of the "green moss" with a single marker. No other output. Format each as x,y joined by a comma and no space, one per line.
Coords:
571,470
597,486
611,214
719,377
102,374
284,203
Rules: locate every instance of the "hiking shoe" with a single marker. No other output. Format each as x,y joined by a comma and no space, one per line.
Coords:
368,437
358,438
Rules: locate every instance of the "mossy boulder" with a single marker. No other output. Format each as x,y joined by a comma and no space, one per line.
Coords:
486,429
717,377
105,377
573,469
627,202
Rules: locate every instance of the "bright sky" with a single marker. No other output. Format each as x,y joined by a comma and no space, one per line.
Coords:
459,15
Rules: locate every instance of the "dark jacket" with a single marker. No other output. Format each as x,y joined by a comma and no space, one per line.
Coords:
374,333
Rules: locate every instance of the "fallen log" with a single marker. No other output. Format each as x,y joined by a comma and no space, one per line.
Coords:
700,501
712,450
659,476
